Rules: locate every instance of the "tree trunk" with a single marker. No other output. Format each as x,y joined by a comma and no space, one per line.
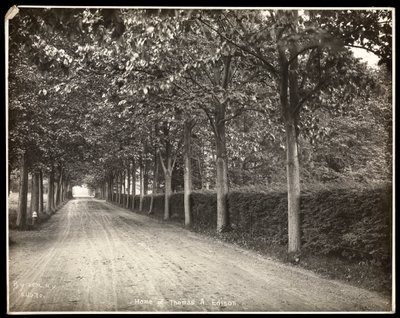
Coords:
128,171
62,190
141,182
117,182
55,194
35,193
221,160
50,192
293,183
167,168
108,187
120,188
123,175
32,195
168,193
58,187
200,173
133,184
221,183
65,187
69,191
23,193
9,179
288,80
188,125
111,187
293,166
145,177
41,209
155,182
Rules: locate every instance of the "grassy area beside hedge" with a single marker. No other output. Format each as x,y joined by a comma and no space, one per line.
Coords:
13,209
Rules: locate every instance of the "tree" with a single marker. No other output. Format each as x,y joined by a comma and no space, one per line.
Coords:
248,79
294,40
23,190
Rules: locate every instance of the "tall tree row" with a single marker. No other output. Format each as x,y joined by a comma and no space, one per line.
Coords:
135,98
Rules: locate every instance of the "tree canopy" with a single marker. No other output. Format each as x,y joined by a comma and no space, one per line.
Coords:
101,92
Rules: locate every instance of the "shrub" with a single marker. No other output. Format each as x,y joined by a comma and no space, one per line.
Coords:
353,223
204,210
350,223
260,214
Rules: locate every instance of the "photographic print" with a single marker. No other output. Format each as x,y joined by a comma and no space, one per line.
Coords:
199,159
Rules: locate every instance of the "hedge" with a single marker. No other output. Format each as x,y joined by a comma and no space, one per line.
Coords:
349,223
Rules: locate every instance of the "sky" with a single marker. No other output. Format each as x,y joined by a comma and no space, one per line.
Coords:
80,191
368,57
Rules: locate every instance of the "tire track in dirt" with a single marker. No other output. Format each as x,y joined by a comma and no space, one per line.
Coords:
117,242
92,294
117,230
170,269
39,264
218,288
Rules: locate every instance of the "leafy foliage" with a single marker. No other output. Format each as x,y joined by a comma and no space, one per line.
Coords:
94,90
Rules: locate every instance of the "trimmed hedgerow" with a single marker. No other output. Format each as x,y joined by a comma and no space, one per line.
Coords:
353,224
349,223
177,209
204,210
158,205
260,214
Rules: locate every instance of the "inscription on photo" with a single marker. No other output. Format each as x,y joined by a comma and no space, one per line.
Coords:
185,302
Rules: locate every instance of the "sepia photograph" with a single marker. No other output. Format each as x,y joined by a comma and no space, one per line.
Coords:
199,159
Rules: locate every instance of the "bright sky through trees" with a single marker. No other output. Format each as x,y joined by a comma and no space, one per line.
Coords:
366,56
80,191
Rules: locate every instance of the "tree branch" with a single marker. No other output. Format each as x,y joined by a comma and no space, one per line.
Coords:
162,161
174,161
227,66
254,75
301,51
202,66
309,95
228,118
306,69
181,88
267,64
212,123
241,111
362,47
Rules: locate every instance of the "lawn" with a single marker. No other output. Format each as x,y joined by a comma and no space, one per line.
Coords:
13,206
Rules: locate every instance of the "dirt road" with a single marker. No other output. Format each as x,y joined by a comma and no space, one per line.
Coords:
91,256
